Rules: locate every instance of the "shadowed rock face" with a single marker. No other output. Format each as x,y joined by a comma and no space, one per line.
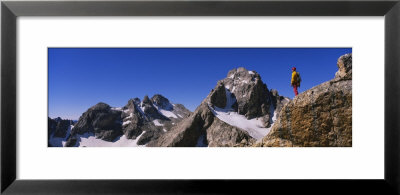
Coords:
252,95
58,127
320,116
62,127
148,136
161,102
218,96
51,126
101,120
278,101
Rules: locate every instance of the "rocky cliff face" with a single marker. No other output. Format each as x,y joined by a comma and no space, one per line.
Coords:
251,94
101,120
320,116
141,121
345,67
278,102
57,129
237,112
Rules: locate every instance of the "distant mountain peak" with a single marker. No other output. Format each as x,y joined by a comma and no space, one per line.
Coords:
100,106
146,100
161,102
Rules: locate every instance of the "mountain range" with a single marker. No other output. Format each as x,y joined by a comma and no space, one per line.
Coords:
239,112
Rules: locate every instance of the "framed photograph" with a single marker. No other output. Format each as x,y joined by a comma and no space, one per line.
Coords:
172,96
239,111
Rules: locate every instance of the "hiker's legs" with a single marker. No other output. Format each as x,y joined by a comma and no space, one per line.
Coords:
295,90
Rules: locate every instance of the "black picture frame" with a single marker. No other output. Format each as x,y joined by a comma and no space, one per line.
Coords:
11,10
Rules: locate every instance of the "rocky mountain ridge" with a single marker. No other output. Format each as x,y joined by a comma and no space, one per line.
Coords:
139,121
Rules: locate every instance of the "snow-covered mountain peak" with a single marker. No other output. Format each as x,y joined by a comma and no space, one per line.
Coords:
161,102
242,73
240,78
244,93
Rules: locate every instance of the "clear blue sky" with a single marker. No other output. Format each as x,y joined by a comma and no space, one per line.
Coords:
81,77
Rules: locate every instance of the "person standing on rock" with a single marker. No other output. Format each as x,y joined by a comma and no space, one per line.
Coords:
295,82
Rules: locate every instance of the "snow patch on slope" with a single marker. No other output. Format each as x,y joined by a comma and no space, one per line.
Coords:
253,126
116,108
272,113
166,113
126,123
60,141
89,140
157,123
141,108
130,116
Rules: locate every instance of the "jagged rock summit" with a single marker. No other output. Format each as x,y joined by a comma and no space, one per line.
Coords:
136,123
248,95
237,112
320,116
345,66
57,131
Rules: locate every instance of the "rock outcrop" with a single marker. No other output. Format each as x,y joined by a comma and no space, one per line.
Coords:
344,64
218,96
320,116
